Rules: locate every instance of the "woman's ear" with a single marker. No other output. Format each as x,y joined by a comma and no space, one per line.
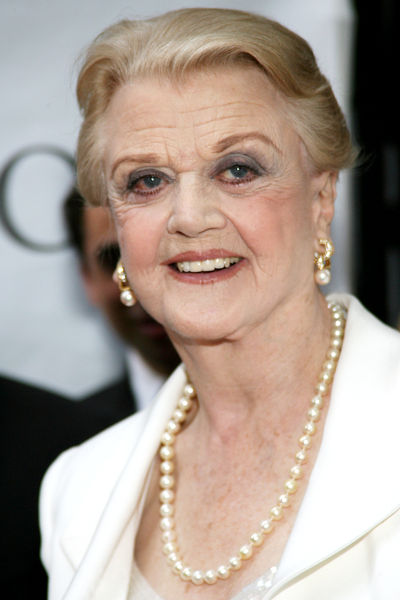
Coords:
324,203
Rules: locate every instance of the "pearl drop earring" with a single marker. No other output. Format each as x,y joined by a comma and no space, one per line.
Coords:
322,261
127,297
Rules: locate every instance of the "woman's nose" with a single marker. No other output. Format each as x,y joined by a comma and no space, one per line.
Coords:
195,208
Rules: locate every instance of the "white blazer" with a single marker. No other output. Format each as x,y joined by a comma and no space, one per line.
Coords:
345,543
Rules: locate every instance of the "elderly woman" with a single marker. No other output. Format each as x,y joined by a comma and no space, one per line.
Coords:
259,472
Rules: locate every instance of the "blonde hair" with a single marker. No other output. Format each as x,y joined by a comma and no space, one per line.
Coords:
178,42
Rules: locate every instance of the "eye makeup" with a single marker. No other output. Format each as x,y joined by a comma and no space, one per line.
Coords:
235,170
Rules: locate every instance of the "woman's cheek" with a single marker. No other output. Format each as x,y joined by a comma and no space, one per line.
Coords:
139,241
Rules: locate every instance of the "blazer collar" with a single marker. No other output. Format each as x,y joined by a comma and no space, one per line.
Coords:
109,553
353,486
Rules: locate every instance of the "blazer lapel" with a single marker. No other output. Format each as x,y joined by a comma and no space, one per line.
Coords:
104,568
353,486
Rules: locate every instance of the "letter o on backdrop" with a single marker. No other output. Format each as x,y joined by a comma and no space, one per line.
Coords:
33,184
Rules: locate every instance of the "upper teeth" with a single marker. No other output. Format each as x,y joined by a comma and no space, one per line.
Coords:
197,266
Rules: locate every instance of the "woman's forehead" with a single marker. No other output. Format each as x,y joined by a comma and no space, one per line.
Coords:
210,105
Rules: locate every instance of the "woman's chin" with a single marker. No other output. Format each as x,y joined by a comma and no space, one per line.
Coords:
204,332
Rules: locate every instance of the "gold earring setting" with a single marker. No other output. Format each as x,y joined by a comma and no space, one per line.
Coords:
322,261
127,297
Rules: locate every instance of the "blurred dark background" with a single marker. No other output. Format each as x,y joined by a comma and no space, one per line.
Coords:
377,181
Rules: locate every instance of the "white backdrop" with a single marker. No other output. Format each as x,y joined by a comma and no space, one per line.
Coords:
49,335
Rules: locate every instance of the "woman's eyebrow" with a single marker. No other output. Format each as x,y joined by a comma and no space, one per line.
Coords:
134,158
233,139
219,147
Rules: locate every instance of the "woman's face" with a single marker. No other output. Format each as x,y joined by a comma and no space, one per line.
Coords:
216,206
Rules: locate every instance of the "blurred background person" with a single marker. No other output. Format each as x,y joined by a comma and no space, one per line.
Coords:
39,423
150,357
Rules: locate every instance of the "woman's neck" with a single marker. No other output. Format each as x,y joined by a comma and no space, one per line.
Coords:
258,376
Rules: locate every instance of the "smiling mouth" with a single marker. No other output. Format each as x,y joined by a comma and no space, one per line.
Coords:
206,266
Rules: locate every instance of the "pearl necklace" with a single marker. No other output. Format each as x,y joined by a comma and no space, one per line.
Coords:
167,452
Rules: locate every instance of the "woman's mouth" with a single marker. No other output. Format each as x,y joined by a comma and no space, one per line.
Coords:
206,266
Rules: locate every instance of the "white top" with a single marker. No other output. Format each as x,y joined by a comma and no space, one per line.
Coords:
140,589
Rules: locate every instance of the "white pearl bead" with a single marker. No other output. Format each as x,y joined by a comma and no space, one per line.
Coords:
326,376
189,391
284,500
170,548
173,426
266,526
317,401
167,452
197,577
172,558
290,486
336,343
321,388
314,413
167,467
168,536
178,415
276,512
338,332
296,472
305,441
167,482
210,576
235,563
256,538
186,573
167,438
167,523
301,456
309,428
185,404
323,276
127,298
166,510
167,496
246,551
177,567
338,323
223,572
329,365
333,354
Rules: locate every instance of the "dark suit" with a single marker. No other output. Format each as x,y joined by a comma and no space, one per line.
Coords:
36,426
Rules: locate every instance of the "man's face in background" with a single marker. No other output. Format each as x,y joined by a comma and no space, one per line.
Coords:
133,325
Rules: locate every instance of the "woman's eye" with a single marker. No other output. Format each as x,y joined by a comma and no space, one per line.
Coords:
146,184
238,173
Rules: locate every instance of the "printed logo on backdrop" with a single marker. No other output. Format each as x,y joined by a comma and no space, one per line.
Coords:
33,185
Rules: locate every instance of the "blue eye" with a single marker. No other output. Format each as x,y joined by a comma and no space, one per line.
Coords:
151,181
146,184
239,171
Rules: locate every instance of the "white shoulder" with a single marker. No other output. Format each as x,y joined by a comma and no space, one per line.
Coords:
91,468
80,485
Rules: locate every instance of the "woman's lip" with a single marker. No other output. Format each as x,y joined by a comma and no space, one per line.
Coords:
205,277
191,256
